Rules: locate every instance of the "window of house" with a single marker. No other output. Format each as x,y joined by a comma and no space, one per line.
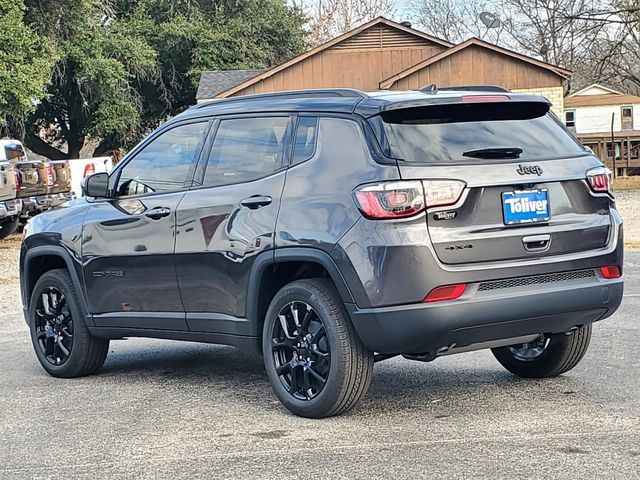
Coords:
165,164
570,118
246,149
305,140
627,117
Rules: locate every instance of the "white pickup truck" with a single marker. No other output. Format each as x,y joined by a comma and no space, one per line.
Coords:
81,167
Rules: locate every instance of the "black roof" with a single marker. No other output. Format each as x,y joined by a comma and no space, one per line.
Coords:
212,82
344,100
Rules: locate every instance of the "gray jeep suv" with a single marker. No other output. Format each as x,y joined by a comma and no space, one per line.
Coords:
330,229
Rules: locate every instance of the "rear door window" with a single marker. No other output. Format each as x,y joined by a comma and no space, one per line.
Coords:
472,132
246,149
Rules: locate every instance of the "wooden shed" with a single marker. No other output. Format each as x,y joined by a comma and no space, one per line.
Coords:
383,54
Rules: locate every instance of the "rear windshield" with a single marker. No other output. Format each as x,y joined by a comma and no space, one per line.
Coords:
444,133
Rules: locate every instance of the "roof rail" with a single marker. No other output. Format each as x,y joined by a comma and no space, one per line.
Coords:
477,88
324,92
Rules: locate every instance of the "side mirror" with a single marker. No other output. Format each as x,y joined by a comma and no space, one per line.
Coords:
96,185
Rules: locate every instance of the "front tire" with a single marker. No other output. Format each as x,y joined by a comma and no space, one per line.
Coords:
316,363
548,356
60,337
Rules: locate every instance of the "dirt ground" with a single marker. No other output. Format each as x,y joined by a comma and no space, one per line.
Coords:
628,204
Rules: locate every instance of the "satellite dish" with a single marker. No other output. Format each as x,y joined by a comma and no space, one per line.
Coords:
490,20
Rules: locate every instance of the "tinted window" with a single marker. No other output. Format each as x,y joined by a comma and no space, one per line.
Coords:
246,149
305,141
165,164
443,133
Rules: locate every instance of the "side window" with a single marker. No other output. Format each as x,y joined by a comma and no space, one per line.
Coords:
305,140
246,149
165,164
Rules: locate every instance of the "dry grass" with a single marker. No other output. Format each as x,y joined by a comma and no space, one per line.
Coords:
627,183
12,241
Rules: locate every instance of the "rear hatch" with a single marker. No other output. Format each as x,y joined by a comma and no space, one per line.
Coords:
512,180
58,176
7,181
32,177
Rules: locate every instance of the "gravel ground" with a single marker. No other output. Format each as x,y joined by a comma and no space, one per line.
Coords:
628,204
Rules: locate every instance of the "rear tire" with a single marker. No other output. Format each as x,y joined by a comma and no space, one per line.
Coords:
560,354
8,226
60,337
316,363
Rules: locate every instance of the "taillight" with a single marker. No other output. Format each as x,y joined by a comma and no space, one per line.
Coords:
390,199
610,271
439,193
448,292
599,179
50,175
89,169
17,174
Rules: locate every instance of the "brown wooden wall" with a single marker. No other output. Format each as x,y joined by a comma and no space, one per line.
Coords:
477,65
362,62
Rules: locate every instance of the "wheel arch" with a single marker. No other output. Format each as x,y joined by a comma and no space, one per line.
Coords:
41,259
272,270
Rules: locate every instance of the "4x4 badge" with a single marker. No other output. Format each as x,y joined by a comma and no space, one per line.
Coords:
529,170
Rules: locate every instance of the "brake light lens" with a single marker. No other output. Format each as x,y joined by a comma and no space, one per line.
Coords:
448,292
610,271
484,98
439,193
17,175
50,175
599,179
390,200
89,169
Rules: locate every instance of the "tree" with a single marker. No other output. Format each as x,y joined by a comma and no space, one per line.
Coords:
126,65
190,36
455,20
330,18
590,37
25,63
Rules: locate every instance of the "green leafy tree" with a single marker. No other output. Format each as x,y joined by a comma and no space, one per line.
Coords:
127,65
25,63
190,36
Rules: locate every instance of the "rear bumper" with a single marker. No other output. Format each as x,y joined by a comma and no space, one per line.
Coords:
10,208
56,199
40,203
484,316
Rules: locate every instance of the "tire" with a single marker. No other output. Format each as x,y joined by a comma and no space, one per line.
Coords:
8,226
86,354
334,350
561,353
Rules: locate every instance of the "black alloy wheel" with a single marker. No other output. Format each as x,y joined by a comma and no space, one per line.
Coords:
300,350
54,326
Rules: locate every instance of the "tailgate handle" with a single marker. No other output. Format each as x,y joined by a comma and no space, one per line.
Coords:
537,243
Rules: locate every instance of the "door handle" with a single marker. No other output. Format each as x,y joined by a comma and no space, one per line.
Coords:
256,201
158,213
537,243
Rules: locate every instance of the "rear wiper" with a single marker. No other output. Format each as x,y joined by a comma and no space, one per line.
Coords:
495,152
